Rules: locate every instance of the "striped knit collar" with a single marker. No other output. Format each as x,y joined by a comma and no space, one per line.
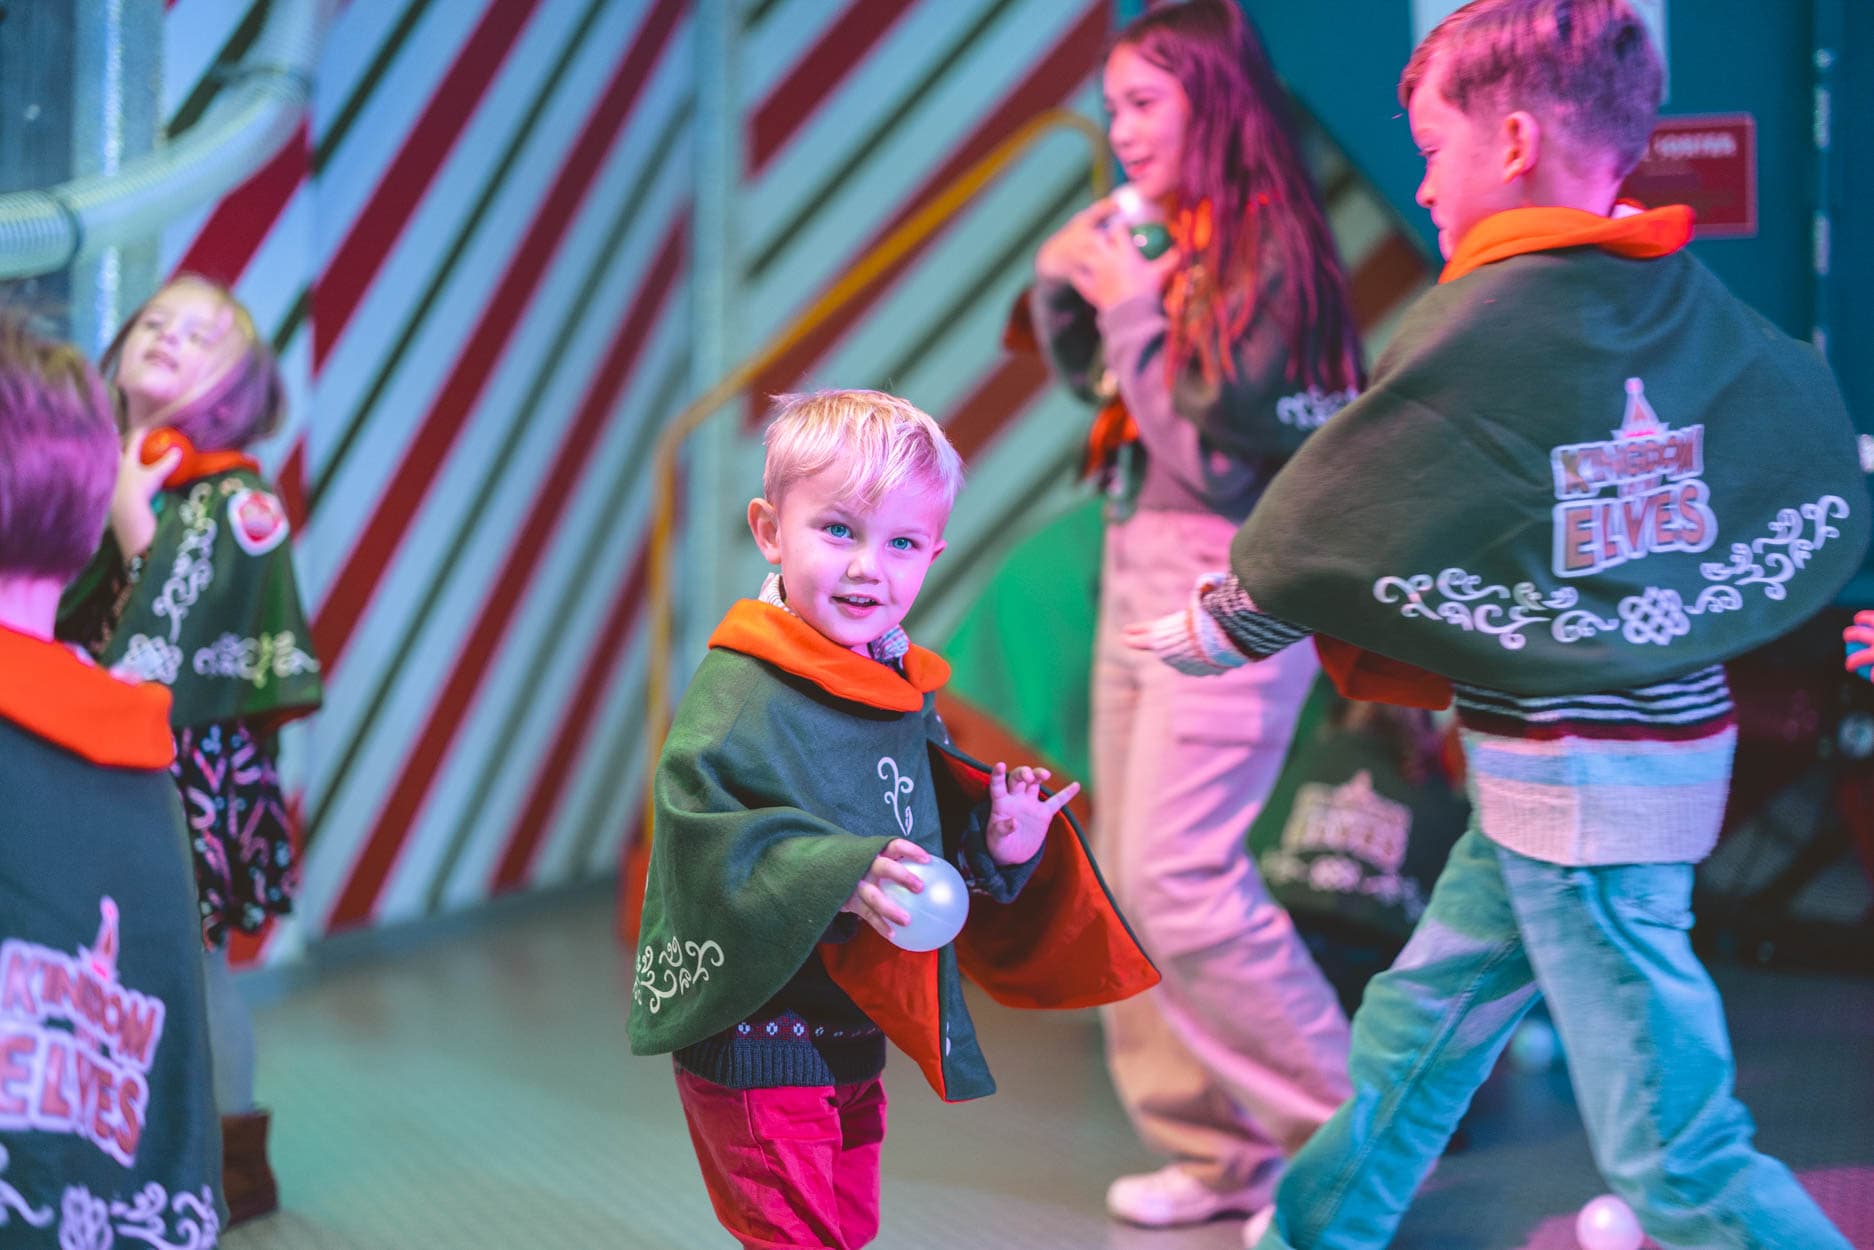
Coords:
887,648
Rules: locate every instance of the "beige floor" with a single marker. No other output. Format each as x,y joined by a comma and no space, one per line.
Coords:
477,1092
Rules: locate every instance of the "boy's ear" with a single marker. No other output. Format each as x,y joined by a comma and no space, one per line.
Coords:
1522,145
764,522
937,548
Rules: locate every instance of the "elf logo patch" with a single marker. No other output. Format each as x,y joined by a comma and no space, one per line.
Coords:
257,520
1637,494
77,1041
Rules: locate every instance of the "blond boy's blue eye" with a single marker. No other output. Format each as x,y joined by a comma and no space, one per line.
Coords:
839,529
902,544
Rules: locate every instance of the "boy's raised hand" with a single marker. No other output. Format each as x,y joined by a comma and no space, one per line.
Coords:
869,901
1018,814
1860,639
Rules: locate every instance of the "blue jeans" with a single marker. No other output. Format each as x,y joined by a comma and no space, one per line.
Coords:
1645,1039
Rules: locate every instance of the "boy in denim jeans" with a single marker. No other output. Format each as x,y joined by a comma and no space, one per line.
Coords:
1527,504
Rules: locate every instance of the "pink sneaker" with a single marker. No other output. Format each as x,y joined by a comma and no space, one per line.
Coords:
1171,1197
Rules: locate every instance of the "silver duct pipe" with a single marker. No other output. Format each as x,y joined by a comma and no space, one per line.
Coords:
47,230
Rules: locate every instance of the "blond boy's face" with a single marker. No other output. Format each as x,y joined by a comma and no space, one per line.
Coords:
850,572
1472,166
183,342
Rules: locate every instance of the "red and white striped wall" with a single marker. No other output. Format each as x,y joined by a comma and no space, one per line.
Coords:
476,264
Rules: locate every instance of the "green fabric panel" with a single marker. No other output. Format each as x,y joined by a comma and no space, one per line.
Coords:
105,1087
1434,519
773,797
219,624
1024,652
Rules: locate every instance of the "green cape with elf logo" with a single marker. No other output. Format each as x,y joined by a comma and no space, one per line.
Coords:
1581,465
108,1131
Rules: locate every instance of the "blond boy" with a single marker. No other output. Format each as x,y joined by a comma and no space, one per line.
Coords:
806,766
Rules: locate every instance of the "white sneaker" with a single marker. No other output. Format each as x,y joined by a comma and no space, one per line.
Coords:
1257,1226
1171,1197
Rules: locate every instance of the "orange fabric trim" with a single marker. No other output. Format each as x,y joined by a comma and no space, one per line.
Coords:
1113,428
1376,678
1519,231
1018,333
194,464
790,644
209,463
898,991
50,693
1062,943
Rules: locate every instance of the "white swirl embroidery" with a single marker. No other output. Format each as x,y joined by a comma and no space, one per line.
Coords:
10,1197
1771,561
149,659
193,568
155,1217
664,973
1310,409
254,659
1525,606
147,1219
899,785
1656,616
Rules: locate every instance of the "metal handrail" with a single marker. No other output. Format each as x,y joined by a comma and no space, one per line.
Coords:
945,205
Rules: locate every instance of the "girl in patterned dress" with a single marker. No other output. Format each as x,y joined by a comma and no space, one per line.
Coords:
193,587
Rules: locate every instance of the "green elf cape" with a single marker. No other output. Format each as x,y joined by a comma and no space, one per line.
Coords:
108,1129
790,765
1581,465
214,614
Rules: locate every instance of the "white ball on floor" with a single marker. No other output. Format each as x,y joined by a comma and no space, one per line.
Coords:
937,915
1534,1046
1607,1223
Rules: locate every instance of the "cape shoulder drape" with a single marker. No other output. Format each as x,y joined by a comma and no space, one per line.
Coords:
1574,470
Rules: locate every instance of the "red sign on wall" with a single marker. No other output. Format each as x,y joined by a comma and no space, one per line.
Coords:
1709,162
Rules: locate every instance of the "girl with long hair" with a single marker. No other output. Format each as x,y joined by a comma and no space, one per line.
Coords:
1213,362
193,587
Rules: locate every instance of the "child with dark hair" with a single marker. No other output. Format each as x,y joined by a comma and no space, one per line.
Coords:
1214,362
107,1119
1583,476
194,588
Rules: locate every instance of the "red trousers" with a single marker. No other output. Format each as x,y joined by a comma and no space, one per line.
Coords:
794,1168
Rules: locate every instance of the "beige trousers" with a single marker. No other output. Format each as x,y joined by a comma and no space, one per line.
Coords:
1240,1054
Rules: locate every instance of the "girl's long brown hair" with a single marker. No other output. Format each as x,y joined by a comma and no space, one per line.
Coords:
1241,160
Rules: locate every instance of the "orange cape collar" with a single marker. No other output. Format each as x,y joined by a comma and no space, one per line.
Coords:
790,644
208,464
50,693
1519,231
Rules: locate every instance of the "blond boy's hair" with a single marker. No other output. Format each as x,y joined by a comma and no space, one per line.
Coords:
58,454
883,441
1588,67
